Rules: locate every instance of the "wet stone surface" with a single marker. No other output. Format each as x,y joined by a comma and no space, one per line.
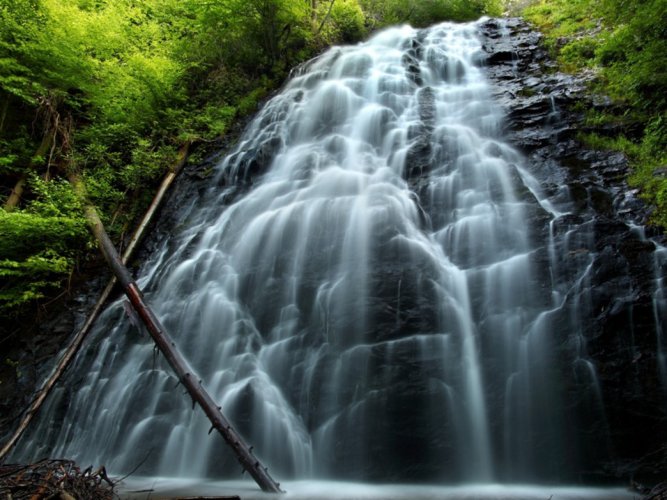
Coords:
618,297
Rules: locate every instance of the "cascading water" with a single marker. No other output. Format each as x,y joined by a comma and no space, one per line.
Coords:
375,288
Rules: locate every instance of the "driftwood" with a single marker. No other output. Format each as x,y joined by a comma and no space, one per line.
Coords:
77,340
54,479
168,348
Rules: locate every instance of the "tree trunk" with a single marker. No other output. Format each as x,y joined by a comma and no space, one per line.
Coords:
326,17
16,194
3,115
168,348
313,9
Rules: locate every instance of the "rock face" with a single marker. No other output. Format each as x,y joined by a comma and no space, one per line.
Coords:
30,350
621,300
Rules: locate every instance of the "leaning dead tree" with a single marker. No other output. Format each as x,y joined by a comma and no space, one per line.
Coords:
168,348
75,343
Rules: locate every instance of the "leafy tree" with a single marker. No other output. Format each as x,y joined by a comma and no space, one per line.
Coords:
339,21
426,12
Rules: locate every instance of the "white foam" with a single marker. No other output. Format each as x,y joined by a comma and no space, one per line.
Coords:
134,488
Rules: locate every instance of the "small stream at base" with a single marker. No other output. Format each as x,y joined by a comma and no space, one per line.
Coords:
164,488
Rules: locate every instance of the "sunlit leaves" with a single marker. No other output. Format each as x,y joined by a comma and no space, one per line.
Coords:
30,279
425,12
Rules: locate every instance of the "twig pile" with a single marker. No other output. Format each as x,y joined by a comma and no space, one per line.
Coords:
54,480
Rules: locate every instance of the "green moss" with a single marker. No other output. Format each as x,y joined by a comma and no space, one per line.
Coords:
626,44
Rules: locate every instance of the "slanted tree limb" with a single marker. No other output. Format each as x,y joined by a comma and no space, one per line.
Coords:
168,348
326,17
17,191
183,153
3,114
76,341
54,128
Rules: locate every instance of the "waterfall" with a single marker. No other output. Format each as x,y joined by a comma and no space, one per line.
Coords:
374,287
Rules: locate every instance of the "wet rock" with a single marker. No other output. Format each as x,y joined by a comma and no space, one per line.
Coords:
419,158
614,340
660,172
412,69
501,56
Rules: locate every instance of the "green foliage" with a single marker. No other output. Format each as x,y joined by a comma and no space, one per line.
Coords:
19,23
340,21
650,167
38,248
39,244
579,52
12,153
147,164
626,44
30,279
426,12
618,143
25,234
102,187
634,56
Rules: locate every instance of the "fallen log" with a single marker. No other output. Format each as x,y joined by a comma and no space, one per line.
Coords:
168,348
77,340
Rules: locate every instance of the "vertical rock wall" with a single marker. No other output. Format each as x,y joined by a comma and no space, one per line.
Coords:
621,301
